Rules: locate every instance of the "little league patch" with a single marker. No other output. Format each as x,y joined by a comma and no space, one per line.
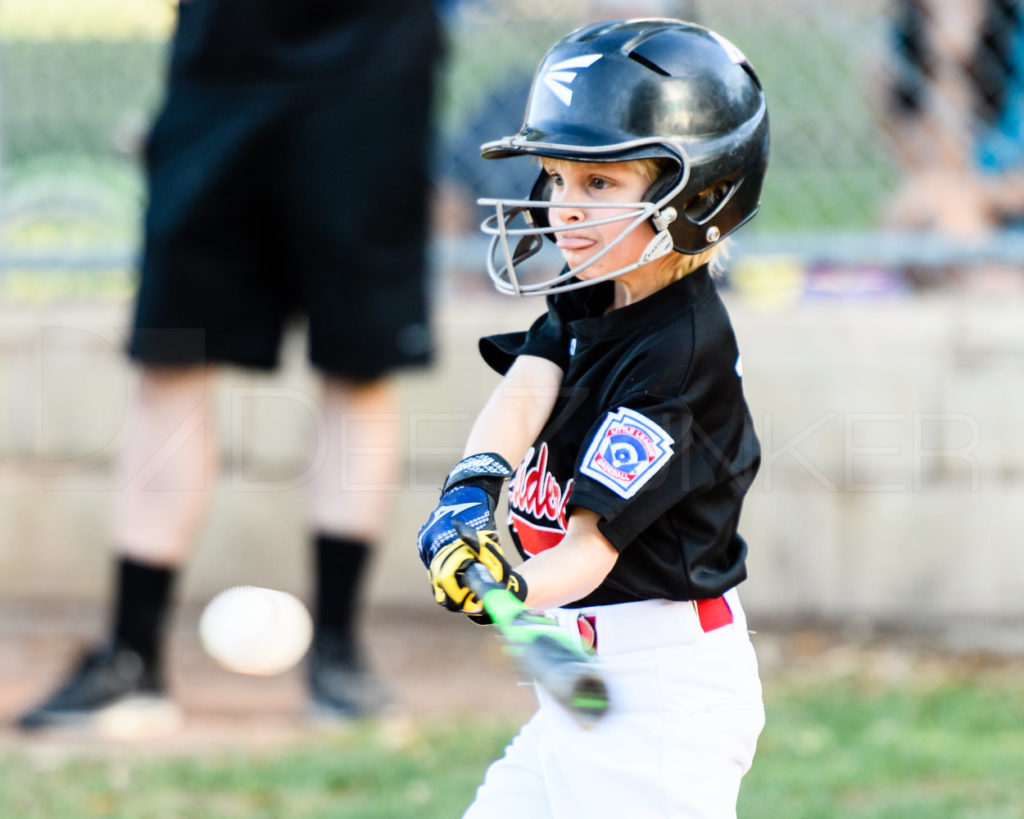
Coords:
626,452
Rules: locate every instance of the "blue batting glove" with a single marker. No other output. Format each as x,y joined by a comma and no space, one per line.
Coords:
470,494
470,504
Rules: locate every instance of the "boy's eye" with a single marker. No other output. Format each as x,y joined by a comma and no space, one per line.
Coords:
556,179
599,183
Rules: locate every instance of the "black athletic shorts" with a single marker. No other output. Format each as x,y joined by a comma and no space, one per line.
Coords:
273,199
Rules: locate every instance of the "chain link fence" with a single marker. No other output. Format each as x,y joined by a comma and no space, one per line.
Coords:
846,81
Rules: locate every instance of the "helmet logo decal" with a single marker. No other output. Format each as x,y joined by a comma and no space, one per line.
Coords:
558,78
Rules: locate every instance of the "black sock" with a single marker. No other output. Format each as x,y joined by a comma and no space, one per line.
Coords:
143,597
341,565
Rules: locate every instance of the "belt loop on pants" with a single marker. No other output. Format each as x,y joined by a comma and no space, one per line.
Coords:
713,613
586,624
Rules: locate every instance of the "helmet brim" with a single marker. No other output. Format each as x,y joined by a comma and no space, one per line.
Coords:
590,147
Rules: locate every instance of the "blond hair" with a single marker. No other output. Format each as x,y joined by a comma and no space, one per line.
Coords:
684,263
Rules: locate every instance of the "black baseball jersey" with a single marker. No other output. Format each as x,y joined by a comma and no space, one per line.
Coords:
650,430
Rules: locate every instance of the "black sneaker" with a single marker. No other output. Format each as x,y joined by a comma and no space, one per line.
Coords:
341,686
112,692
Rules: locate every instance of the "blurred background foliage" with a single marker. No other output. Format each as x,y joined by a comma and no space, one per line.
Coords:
80,81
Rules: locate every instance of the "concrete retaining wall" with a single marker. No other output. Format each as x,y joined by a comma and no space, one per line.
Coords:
892,483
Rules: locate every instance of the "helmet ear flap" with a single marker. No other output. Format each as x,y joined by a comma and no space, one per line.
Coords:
709,201
700,211
690,216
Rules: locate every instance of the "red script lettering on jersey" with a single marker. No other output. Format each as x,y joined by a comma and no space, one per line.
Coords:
537,493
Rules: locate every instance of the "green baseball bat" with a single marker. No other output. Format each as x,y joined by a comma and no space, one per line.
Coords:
541,648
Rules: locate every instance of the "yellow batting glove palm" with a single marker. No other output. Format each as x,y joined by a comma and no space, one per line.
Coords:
448,567
446,571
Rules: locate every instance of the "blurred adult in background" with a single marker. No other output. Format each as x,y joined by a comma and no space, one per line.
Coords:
287,175
956,115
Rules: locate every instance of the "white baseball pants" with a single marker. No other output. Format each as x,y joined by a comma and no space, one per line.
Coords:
680,733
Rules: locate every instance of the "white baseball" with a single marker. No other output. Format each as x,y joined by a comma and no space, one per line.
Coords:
253,630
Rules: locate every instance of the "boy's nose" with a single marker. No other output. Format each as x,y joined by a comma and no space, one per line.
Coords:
566,214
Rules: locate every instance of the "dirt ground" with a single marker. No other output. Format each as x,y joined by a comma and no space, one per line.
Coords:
437,666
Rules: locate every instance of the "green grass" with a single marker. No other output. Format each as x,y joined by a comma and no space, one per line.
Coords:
432,774
946,746
844,750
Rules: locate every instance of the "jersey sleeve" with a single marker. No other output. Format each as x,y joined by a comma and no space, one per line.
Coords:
547,338
639,459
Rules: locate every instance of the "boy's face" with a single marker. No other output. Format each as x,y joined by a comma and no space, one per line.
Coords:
583,183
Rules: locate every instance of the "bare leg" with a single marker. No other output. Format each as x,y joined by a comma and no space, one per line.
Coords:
353,493
165,473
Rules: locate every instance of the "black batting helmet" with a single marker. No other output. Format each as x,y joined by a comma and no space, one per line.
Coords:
632,89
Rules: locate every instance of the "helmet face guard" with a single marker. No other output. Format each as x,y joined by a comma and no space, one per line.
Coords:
637,89
534,220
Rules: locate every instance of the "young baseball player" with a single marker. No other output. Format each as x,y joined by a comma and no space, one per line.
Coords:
623,407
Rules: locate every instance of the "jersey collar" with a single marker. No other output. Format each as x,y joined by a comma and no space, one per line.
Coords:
658,307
